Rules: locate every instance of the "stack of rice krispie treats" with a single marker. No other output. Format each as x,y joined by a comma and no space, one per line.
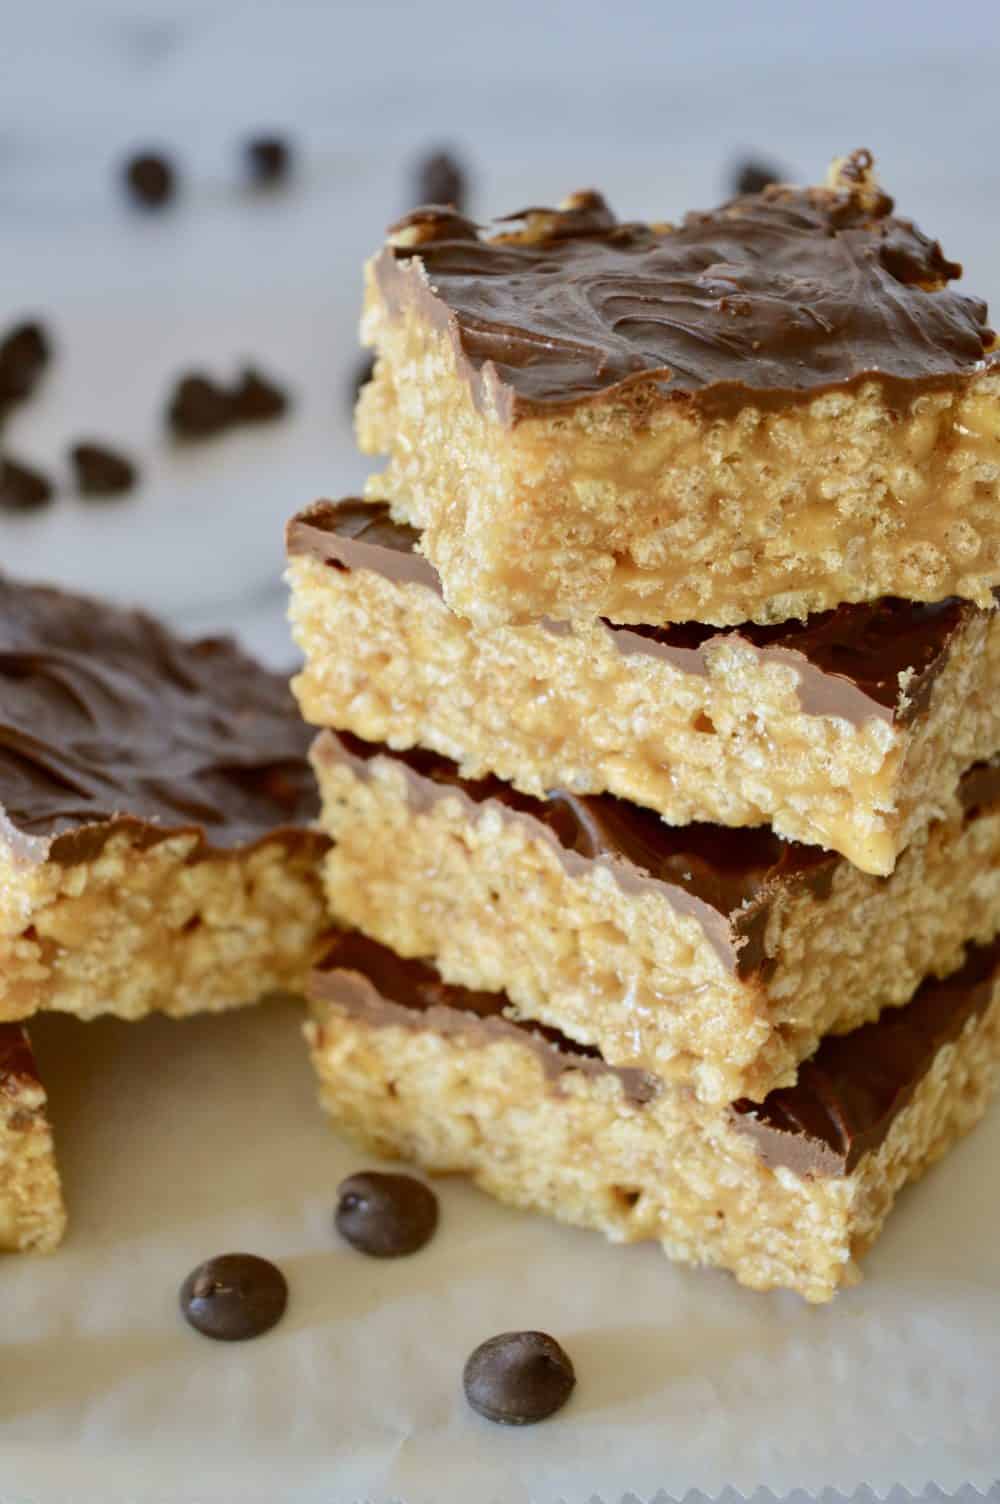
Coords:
658,683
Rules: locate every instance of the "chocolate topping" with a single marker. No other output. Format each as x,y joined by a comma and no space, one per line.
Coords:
17,1060
873,660
849,1092
372,982
773,296
108,719
840,1109
725,878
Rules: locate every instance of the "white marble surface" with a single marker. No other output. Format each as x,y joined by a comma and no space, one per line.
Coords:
650,101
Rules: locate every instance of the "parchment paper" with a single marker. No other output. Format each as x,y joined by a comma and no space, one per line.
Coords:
183,1140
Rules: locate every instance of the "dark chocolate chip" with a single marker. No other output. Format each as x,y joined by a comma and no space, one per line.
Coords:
149,178
22,489
269,160
385,1215
362,374
24,353
256,399
753,175
518,1378
440,180
234,1296
199,407
101,471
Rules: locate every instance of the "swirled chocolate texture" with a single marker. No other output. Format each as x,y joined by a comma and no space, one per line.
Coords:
871,660
773,296
108,719
841,1108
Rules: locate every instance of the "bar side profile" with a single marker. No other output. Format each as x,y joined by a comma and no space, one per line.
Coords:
32,1214
452,1087
731,730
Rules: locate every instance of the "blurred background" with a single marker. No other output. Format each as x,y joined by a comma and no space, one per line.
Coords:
659,105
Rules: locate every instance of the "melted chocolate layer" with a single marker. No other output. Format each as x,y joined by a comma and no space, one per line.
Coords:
108,719
871,660
17,1060
725,878
773,296
840,1109
848,1094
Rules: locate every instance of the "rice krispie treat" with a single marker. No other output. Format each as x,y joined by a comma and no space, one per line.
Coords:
787,1193
156,850
32,1215
712,956
764,411
849,731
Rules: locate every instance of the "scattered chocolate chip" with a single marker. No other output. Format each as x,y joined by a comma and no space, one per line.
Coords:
362,374
439,180
269,160
234,1296
101,471
199,407
752,175
23,489
150,179
518,1378
256,399
24,353
385,1215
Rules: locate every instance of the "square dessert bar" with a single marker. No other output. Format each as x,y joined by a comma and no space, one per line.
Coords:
32,1215
848,731
155,809
715,957
788,1193
764,411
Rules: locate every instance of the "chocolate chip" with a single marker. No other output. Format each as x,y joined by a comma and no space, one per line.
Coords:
439,180
269,160
518,1378
753,175
24,353
199,407
100,471
256,399
149,178
234,1296
22,489
385,1215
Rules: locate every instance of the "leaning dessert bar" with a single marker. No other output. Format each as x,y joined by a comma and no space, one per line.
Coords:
849,731
714,957
155,809
764,411
788,1193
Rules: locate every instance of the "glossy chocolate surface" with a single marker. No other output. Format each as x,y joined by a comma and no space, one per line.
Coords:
847,1095
108,719
849,661
772,296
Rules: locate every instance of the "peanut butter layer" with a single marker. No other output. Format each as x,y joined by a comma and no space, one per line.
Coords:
786,1194
848,731
718,958
768,410
156,849
32,1215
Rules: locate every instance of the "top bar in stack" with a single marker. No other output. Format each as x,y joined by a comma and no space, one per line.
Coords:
773,408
